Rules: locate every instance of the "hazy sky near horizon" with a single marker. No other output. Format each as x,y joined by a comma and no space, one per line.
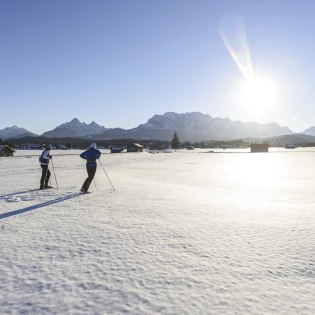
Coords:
119,62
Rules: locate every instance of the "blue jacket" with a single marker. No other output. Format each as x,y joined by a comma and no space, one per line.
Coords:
90,155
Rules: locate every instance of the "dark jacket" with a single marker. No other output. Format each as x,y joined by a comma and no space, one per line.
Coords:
90,155
44,157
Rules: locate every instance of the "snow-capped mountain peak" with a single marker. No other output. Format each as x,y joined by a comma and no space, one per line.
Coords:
176,121
14,132
196,126
310,131
75,128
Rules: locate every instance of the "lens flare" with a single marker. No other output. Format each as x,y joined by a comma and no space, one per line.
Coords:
233,34
257,94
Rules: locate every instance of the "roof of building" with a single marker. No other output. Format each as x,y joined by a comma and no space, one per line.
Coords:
136,144
2,146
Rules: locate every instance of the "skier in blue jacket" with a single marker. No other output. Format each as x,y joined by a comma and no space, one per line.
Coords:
90,155
44,160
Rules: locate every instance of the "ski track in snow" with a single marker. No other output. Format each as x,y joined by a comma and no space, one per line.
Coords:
184,233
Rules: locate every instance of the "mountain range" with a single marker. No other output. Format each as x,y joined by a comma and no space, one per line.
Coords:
193,126
75,129
14,132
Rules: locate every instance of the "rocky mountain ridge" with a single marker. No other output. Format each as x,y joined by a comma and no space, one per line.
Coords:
193,126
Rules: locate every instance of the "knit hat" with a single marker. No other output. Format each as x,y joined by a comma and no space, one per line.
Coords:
93,145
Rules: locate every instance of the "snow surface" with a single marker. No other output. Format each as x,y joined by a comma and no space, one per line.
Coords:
188,232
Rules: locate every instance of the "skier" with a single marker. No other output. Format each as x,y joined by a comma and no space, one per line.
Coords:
44,162
90,155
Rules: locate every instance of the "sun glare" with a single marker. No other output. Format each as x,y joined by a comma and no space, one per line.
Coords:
258,94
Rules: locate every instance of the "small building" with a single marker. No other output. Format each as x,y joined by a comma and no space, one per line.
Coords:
116,149
36,146
135,147
25,146
259,147
5,150
290,146
61,147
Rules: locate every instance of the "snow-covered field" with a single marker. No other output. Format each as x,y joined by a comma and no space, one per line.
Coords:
188,232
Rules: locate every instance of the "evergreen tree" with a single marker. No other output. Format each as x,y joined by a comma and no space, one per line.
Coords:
175,141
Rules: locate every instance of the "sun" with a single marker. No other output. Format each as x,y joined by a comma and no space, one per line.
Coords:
258,94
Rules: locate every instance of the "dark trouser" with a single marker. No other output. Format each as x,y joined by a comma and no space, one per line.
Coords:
91,172
45,176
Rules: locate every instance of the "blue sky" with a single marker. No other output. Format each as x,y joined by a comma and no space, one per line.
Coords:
119,62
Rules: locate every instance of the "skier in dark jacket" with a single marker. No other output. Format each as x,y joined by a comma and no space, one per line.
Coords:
44,160
90,155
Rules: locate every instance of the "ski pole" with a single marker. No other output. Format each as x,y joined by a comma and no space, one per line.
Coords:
52,163
107,175
95,184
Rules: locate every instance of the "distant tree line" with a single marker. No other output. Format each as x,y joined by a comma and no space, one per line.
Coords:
219,143
78,143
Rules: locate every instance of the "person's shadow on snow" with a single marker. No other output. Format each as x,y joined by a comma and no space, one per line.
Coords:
40,205
17,193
